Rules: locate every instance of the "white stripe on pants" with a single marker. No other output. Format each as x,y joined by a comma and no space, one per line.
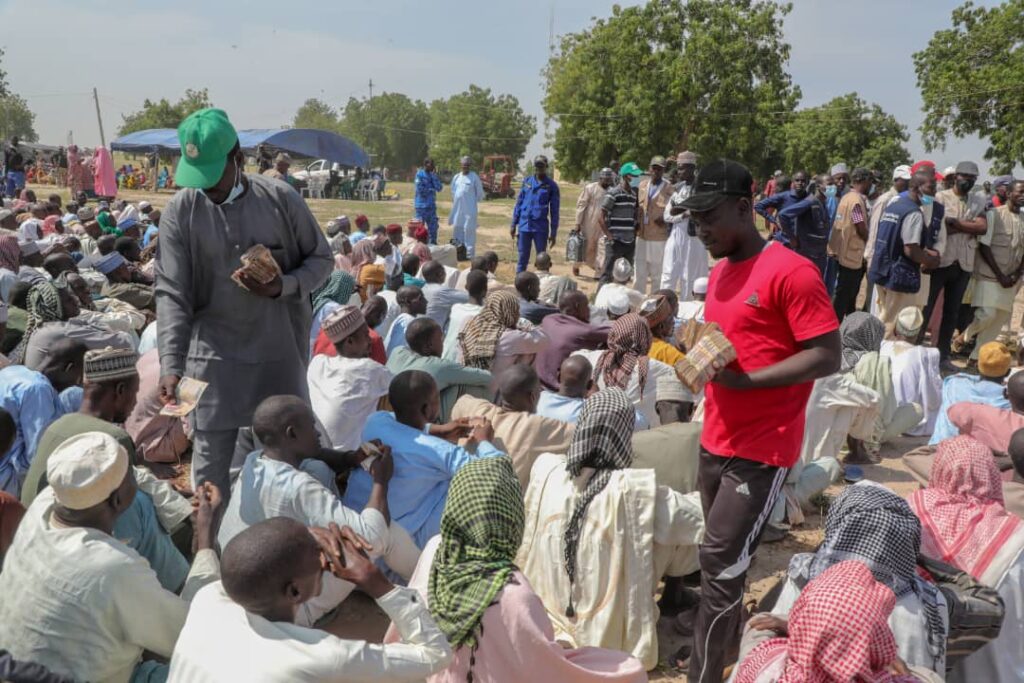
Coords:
685,260
647,263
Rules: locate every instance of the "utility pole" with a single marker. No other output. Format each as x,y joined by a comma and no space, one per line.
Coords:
371,88
99,119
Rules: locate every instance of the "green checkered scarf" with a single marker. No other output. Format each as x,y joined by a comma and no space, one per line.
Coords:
337,288
481,530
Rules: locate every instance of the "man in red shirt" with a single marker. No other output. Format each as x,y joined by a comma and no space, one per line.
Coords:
772,305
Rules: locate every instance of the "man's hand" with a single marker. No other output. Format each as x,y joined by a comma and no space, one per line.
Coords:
931,259
768,622
452,431
551,241
169,389
383,468
732,379
271,289
512,232
1007,281
482,430
952,224
344,554
206,503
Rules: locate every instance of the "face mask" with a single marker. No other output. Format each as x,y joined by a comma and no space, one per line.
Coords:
236,190
964,186
926,200
830,191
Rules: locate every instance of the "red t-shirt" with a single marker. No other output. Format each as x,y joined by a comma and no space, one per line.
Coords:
323,345
766,306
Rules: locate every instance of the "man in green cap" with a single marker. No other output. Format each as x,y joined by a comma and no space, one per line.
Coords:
246,337
619,220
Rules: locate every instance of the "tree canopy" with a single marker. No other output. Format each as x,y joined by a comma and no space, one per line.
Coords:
391,127
705,75
969,76
478,123
844,129
163,114
16,119
317,114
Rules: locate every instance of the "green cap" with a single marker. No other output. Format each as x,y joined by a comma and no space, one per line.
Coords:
206,137
630,168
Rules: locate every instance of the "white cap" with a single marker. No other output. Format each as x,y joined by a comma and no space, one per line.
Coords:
909,321
618,303
143,205
839,169
84,470
700,285
901,172
950,170
622,270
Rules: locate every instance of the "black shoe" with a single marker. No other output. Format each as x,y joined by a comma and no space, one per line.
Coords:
946,367
773,534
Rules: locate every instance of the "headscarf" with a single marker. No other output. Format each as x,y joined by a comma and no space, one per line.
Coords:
838,630
107,223
481,530
963,519
553,288
628,345
43,306
871,524
338,288
371,276
479,338
603,440
861,333
10,252
362,255
50,225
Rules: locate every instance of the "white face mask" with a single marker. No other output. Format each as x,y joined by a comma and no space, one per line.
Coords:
236,191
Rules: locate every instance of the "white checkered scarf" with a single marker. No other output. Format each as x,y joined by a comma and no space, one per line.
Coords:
603,440
861,333
871,524
962,514
838,630
43,307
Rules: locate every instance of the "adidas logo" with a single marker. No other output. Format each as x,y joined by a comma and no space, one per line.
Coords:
743,489
752,300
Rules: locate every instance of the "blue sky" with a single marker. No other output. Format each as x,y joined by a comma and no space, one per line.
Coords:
261,60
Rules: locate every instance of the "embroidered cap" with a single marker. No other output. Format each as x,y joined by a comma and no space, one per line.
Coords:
105,365
343,323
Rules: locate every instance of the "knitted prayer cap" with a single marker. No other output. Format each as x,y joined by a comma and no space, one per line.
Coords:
106,365
84,470
909,321
343,322
994,360
109,263
655,310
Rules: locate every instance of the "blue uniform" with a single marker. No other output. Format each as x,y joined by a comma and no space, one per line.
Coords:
778,201
425,202
538,198
807,221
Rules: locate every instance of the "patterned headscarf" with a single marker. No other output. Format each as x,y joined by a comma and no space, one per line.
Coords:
479,339
362,255
963,519
553,288
603,440
481,530
43,307
338,288
838,630
628,345
871,524
10,252
861,333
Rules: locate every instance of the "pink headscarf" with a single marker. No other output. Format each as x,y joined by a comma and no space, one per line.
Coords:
838,631
105,183
963,520
50,225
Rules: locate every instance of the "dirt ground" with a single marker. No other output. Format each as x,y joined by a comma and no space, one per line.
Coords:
359,617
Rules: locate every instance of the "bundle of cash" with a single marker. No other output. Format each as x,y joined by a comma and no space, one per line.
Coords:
259,264
710,352
187,398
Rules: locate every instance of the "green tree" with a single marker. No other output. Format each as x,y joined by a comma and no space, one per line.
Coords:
317,114
970,81
391,127
844,129
15,116
703,75
477,123
163,114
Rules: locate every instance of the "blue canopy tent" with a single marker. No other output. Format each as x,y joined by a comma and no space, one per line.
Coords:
302,142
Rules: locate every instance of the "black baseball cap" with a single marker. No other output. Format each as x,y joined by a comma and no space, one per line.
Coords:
716,182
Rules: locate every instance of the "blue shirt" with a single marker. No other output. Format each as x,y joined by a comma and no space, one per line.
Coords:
778,202
33,403
807,220
963,387
537,199
558,407
396,335
424,467
427,186
150,233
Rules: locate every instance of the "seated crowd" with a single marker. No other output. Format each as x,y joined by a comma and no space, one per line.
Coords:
509,472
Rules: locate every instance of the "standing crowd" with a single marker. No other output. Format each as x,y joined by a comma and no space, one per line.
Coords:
523,478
